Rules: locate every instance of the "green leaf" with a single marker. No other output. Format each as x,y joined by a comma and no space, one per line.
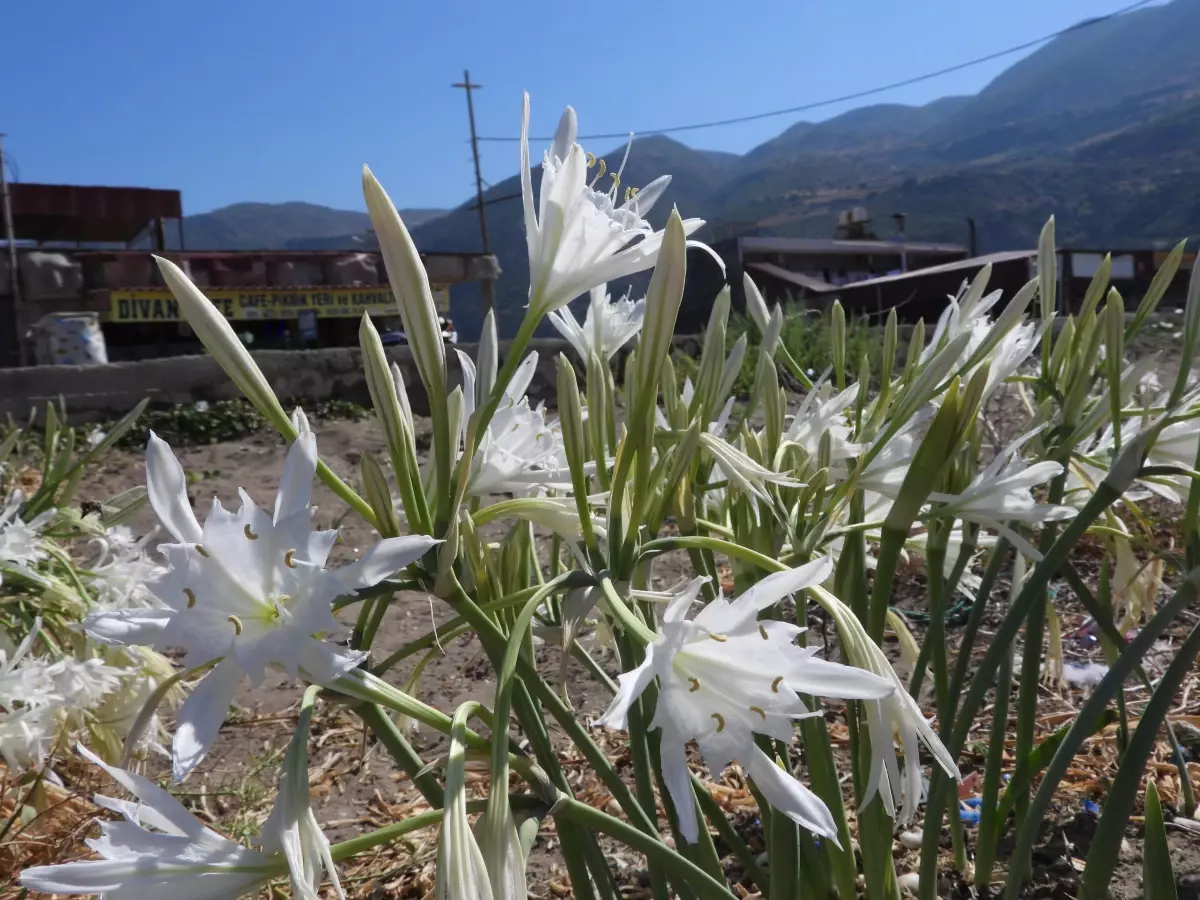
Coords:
1158,878
1039,758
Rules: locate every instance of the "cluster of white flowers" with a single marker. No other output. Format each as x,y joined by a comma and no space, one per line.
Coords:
40,699
817,503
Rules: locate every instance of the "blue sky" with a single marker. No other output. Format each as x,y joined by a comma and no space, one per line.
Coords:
273,101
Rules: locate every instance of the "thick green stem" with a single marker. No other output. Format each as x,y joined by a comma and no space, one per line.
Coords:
657,853
402,752
1111,683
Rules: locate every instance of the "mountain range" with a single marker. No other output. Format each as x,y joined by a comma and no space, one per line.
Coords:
1100,126
287,226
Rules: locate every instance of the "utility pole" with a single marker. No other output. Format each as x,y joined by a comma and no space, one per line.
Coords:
489,295
14,276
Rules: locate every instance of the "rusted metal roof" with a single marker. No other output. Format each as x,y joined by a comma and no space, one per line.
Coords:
799,279
68,212
848,247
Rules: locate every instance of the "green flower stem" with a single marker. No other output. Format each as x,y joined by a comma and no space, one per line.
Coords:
662,545
505,680
891,546
935,562
985,844
783,837
490,636
362,843
477,427
1185,596
656,852
402,752
629,620
975,620
380,609
941,787
450,629
1092,605
1119,800
749,860
639,750
1031,663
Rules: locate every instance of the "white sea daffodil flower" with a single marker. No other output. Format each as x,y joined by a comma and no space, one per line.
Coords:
607,327
249,589
725,676
822,414
1001,494
21,542
891,718
579,237
160,851
521,451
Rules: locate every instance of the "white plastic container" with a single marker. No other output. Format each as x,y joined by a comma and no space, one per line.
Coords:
69,339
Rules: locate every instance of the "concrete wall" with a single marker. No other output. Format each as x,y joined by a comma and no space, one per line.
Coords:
94,392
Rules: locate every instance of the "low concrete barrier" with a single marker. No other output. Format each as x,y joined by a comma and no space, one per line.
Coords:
92,392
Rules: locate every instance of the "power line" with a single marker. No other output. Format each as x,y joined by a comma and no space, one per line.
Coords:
857,95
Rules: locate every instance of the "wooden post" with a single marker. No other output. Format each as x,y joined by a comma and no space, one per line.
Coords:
489,294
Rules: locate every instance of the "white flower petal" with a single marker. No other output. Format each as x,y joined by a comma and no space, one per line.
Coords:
125,627
789,796
201,716
295,488
166,486
385,558
677,777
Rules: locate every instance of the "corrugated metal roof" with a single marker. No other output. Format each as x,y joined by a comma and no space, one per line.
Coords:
69,212
797,278
822,287
975,262
832,246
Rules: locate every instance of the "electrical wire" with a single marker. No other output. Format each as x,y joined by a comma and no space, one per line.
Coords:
857,95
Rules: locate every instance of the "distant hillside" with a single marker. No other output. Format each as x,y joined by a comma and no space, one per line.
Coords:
1100,126
279,226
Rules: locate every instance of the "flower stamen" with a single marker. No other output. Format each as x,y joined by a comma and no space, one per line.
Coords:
200,549
719,638
191,597
762,630
695,682
250,535
760,711
236,623
720,722
775,684
289,559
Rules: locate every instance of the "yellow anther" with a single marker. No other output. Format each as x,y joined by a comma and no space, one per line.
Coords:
719,638
695,685
720,722
200,549
762,630
628,193
616,177
237,624
776,683
250,535
602,167
760,711
633,192
289,559
591,160
191,597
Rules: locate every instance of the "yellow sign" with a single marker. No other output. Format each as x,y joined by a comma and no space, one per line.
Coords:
248,304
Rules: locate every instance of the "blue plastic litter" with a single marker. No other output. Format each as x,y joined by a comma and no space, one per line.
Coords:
1091,807
973,802
968,815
